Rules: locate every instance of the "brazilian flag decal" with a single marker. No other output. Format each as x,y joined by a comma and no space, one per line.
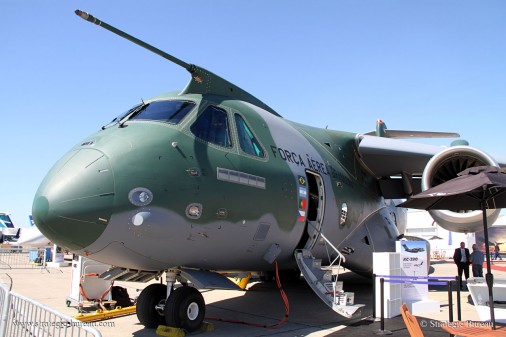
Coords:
302,199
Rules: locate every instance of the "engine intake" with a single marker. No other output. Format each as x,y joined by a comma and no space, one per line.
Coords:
445,166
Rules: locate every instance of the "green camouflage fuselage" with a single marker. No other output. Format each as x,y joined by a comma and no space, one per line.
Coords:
211,206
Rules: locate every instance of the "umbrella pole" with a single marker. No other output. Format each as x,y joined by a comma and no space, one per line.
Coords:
488,277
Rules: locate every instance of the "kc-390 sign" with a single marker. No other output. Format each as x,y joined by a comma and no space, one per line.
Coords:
413,263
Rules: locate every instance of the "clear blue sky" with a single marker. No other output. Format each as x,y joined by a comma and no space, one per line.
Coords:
419,65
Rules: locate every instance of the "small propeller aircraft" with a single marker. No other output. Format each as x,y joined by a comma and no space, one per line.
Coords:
211,180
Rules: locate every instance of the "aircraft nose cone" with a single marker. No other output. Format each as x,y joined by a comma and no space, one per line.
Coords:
75,201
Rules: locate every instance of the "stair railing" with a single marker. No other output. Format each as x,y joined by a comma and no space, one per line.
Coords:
339,257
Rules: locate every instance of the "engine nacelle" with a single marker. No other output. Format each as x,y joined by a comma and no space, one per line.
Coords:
445,166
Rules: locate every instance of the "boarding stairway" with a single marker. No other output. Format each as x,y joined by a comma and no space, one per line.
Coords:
323,281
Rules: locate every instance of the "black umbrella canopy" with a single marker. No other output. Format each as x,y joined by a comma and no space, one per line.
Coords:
477,188
473,186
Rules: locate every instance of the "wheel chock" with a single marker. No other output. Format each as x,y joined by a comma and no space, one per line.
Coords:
206,327
169,331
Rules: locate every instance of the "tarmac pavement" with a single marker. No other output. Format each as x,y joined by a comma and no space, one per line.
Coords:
260,304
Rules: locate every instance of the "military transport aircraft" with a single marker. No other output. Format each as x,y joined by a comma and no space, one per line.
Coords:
210,180
412,250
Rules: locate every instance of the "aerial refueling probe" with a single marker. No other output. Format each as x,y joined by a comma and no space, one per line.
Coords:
203,81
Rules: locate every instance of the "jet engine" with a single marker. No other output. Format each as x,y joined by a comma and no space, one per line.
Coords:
445,166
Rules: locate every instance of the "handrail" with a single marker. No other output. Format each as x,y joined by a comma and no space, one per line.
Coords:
329,243
339,257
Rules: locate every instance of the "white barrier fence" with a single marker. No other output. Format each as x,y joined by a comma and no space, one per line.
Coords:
16,257
21,316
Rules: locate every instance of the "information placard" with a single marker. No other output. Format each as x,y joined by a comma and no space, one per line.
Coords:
413,263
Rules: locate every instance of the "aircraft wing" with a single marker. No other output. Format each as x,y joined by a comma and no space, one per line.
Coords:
386,157
388,133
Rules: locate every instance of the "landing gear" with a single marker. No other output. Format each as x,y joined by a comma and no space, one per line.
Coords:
185,308
150,305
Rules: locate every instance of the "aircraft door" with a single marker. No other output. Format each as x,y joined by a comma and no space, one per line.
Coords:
315,207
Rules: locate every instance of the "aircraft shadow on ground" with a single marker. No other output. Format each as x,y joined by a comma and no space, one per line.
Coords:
262,304
263,300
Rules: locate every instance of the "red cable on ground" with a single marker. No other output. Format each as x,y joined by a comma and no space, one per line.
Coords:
274,326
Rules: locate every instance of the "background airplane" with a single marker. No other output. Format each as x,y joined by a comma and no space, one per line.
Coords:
209,180
22,236
5,221
32,237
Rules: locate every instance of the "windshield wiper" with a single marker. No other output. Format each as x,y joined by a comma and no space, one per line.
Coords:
132,113
123,115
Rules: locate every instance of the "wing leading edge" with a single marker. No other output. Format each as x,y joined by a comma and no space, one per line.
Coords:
385,157
398,165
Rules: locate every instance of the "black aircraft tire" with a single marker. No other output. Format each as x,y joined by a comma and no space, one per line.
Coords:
145,308
185,308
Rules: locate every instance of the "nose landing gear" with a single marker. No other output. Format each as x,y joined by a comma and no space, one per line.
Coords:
183,307
150,305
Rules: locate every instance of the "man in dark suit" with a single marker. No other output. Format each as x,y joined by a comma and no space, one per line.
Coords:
462,259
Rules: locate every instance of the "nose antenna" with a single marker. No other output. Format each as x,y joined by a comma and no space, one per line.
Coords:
202,81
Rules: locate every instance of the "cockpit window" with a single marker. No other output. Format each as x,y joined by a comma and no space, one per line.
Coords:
247,140
164,111
212,126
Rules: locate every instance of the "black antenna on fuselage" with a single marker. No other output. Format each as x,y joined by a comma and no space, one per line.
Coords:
202,81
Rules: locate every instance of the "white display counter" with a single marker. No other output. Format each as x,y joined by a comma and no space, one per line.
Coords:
479,292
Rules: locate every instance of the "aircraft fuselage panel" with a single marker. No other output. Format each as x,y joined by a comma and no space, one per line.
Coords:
212,186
